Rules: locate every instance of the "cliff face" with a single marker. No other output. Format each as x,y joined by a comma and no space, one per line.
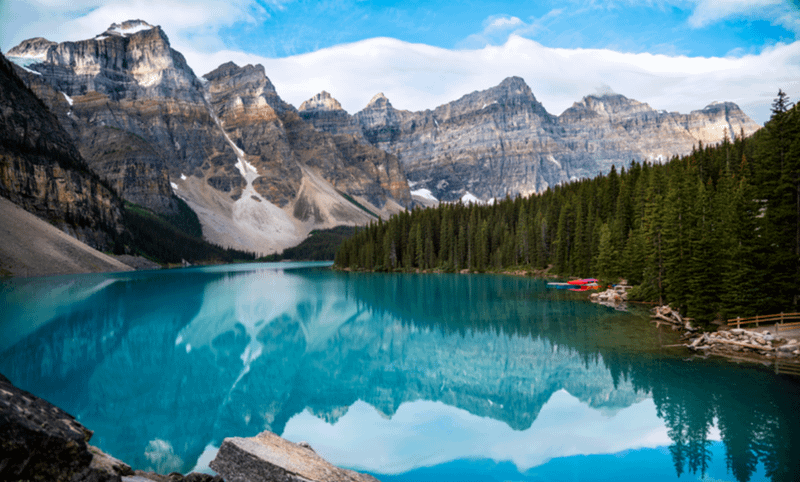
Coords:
502,141
326,115
42,171
130,102
612,128
258,176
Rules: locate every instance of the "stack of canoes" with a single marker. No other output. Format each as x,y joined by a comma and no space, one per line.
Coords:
584,284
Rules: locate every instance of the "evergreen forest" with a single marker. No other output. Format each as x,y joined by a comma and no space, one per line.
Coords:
715,233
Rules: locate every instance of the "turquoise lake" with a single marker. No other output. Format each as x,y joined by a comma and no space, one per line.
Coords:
410,377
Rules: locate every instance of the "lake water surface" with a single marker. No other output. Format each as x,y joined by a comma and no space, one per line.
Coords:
406,376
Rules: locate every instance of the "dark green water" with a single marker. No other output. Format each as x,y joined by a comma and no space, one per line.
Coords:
408,377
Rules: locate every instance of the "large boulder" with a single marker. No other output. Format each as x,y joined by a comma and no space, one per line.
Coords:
268,457
39,441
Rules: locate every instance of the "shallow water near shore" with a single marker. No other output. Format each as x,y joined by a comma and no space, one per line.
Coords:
405,376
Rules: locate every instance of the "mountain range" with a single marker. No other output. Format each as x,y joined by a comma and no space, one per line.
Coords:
261,174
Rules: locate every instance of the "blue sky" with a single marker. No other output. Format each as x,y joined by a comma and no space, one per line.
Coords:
677,55
657,27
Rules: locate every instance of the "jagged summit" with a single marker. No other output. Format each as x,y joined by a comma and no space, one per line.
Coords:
514,84
230,68
35,48
379,101
604,105
511,95
126,28
322,102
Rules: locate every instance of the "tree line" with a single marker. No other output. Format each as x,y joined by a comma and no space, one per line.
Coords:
715,233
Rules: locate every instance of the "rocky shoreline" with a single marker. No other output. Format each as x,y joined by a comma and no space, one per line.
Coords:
755,345
42,442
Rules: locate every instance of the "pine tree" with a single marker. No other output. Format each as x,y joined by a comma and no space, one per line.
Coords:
678,225
652,287
703,264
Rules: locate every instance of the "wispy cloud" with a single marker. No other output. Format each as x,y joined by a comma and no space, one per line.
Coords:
708,12
200,21
498,28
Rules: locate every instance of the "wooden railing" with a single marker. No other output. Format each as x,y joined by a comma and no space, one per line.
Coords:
783,367
778,320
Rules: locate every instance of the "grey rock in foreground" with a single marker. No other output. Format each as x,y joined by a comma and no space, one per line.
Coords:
268,457
40,441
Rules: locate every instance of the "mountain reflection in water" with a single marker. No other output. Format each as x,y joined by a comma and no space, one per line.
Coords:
393,374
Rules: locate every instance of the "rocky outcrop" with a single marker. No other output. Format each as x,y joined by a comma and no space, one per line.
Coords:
128,61
737,340
326,115
42,442
269,457
502,141
43,172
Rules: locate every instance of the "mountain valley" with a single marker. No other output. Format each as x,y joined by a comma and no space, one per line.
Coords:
262,174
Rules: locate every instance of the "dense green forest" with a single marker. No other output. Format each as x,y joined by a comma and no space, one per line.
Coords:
715,233
172,239
320,245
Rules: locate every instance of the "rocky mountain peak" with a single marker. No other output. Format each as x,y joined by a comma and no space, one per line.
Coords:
35,48
126,28
717,106
244,91
323,102
130,60
379,101
512,94
606,105
249,76
515,85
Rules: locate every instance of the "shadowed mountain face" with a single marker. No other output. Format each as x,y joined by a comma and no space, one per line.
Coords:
259,177
41,170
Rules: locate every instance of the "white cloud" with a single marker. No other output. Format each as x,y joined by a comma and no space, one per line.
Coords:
498,28
198,22
503,23
425,433
418,77
708,12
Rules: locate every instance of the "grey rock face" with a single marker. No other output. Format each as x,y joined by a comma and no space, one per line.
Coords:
614,129
132,60
119,92
269,457
42,442
326,115
43,172
38,439
502,141
280,141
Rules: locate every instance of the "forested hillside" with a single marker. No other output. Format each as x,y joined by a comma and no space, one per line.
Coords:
715,233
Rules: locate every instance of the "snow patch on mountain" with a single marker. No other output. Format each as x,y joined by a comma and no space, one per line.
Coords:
424,193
